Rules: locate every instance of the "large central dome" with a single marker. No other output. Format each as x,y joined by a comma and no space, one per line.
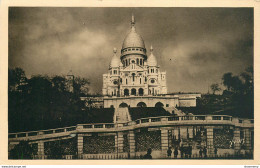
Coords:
133,43
133,39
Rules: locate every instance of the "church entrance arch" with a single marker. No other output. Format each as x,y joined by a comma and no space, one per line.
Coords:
141,104
133,91
159,104
123,105
126,92
141,91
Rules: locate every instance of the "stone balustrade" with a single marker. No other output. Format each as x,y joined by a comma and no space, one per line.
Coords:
142,122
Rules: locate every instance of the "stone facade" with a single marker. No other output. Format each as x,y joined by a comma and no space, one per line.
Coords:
134,73
136,78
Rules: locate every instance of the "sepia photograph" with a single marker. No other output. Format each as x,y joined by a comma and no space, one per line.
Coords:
132,83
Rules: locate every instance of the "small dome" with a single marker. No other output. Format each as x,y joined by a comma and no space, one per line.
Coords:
115,62
151,61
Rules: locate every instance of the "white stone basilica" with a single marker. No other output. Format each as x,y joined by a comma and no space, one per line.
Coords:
134,79
133,73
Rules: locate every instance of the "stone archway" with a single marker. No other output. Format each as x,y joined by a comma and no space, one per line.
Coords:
126,92
123,105
141,104
159,104
133,91
141,91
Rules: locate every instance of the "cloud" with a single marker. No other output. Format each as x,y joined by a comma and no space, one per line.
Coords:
194,45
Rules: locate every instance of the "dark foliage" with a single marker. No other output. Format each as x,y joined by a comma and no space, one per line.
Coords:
42,102
237,99
23,150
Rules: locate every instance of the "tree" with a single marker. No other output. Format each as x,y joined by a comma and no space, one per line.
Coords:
22,151
80,86
16,77
227,80
233,83
215,87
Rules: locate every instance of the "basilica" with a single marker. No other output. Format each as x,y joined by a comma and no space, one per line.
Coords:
136,75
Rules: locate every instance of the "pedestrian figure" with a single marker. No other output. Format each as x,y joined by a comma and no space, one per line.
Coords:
190,151
205,152
186,152
216,151
148,154
175,153
182,150
200,152
169,152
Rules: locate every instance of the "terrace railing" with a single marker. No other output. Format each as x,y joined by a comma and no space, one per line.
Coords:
155,121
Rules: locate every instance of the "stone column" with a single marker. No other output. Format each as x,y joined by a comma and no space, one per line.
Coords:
210,145
41,150
248,140
190,131
164,142
80,145
120,142
183,132
237,141
116,145
131,138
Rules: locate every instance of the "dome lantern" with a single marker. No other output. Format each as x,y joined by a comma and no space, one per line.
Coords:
151,61
115,62
133,42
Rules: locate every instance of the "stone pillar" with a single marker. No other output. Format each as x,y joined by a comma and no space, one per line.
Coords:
164,142
116,145
131,138
190,131
120,142
80,145
248,140
41,150
237,141
176,133
210,145
183,132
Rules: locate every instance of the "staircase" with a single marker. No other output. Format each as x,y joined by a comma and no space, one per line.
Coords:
122,115
175,111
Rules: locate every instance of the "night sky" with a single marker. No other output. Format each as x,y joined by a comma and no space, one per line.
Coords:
195,46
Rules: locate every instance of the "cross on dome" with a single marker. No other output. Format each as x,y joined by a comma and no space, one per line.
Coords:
133,22
114,50
151,49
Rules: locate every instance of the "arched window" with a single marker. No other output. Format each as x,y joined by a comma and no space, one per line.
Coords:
141,104
125,81
133,75
125,62
133,91
141,91
140,80
123,105
137,61
126,92
159,104
141,62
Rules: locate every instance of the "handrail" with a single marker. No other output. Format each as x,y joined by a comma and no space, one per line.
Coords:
136,122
